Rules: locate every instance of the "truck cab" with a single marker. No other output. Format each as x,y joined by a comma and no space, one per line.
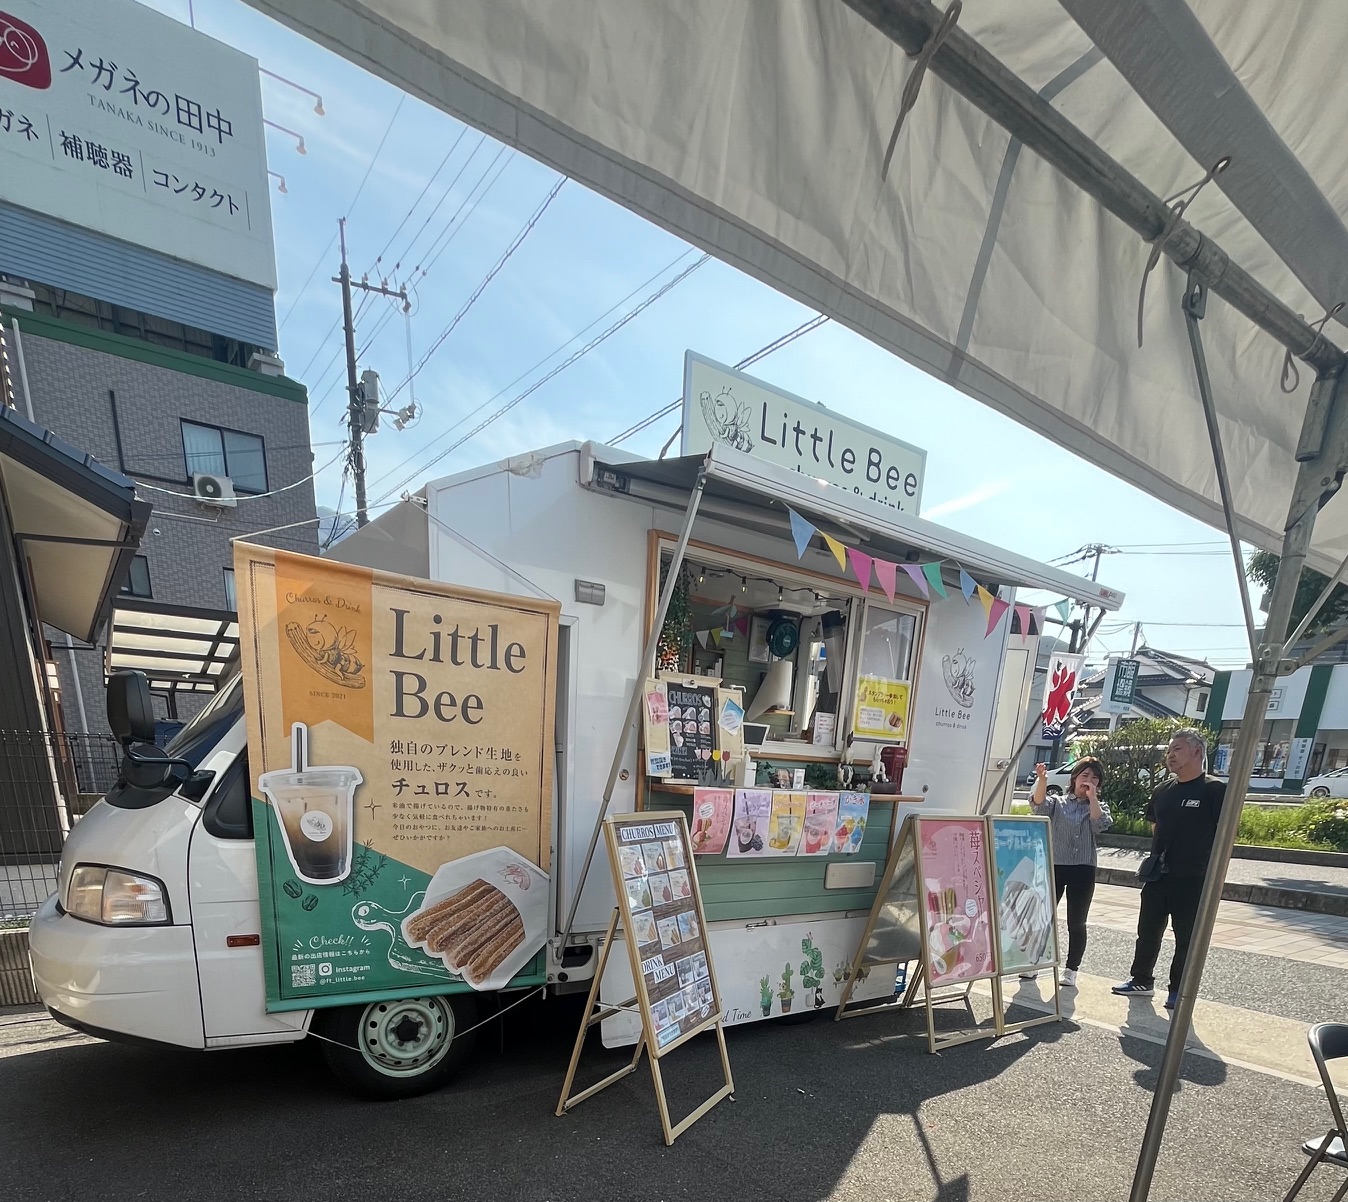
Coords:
154,933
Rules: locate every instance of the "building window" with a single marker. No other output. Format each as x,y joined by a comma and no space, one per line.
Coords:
1202,703
231,598
219,452
138,581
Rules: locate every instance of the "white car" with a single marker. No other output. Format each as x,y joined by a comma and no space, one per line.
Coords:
1328,784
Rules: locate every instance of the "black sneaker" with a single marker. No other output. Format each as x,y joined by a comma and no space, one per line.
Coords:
1131,988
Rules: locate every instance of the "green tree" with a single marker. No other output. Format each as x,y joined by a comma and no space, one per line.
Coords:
1134,759
1262,568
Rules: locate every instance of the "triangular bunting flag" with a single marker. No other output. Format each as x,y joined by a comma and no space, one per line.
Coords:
999,607
932,571
1039,615
861,565
703,636
984,599
1023,617
801,531
716,637
742,625
916,576
1064,608
839,551
967,584
885,573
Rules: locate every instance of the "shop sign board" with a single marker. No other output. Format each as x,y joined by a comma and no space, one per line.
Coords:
723,405
1120,687
1022,861
119,119
401,750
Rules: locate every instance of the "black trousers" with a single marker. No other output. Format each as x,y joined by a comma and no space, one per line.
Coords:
1078,882
1174,898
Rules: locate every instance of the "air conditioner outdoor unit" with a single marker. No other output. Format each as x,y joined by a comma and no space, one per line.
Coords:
213,490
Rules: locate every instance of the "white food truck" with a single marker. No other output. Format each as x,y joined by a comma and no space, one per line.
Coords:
158,931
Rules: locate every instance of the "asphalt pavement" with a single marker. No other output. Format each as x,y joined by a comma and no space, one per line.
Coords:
838,1111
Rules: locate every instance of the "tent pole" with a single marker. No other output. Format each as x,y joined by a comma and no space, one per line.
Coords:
634,706
962,64
1195,304
1317,478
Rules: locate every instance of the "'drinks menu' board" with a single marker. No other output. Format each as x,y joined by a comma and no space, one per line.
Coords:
400,741
662,917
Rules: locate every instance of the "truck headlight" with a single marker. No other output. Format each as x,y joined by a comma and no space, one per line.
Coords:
115,897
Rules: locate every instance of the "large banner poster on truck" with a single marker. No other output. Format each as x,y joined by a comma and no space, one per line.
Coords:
400,743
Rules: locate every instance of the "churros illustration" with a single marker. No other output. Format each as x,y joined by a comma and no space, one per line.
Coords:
474,930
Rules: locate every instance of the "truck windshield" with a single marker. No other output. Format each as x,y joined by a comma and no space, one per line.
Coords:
194,742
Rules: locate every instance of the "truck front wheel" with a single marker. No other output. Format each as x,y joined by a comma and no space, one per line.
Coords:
397,1049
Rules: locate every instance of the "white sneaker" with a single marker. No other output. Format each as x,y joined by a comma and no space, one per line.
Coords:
1069,978
1029,976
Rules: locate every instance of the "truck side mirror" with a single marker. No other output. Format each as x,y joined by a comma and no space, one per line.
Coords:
130,707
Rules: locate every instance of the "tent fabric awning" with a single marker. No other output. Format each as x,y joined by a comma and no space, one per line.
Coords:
757,131
757,494
76,524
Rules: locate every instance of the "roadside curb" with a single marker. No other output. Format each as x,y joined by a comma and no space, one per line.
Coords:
1256,895
1245,851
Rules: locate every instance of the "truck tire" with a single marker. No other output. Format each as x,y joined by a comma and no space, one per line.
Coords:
398,1049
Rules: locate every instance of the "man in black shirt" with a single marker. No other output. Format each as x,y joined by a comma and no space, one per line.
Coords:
1183,814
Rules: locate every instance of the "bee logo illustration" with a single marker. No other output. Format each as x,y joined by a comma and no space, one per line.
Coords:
329,650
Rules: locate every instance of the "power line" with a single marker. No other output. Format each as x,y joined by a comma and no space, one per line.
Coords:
510,250
524,375
762,353
561,367
322,257
384,318
420,197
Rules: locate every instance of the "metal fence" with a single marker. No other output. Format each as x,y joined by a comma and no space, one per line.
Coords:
47,780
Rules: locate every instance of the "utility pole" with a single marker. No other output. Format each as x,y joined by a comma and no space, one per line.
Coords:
1137,634
355,410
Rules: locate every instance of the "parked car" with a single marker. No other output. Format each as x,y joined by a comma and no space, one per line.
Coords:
1328,784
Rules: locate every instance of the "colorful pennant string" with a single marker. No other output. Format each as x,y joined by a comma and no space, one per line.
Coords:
926,577
861,566
932,571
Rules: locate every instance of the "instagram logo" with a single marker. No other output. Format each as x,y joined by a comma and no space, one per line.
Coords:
23,53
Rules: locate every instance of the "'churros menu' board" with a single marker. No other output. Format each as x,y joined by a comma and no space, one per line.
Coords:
661,912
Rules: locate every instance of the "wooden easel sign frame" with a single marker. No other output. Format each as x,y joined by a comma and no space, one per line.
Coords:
1024,898
665,929
935,904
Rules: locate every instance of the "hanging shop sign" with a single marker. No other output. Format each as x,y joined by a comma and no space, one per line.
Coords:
400,740
1060,690
1120,687
665,930
723,405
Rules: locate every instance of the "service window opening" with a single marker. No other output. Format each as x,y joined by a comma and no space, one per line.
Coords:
811,654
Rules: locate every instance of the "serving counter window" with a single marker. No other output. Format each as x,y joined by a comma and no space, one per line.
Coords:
817,666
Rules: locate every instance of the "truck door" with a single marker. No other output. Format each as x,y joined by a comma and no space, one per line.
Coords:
225,910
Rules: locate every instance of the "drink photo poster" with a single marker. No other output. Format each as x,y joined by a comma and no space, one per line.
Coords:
400,743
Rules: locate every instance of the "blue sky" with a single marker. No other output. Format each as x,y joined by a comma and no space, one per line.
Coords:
986,475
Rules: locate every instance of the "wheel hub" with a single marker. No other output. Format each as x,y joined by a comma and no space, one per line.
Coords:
406,1036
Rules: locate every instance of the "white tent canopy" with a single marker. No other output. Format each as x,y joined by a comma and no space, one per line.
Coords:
757,128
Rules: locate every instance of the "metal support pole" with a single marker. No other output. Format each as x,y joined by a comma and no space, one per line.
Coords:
634,705
962,64
1296,636
1317,478
1195,304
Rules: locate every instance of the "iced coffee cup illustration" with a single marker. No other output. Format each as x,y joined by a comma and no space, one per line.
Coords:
314,805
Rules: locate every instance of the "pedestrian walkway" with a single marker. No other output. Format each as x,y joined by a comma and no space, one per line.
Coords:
1249,1038
1267,930
1273,874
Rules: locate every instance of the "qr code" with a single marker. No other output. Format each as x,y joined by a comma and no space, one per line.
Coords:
302,975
